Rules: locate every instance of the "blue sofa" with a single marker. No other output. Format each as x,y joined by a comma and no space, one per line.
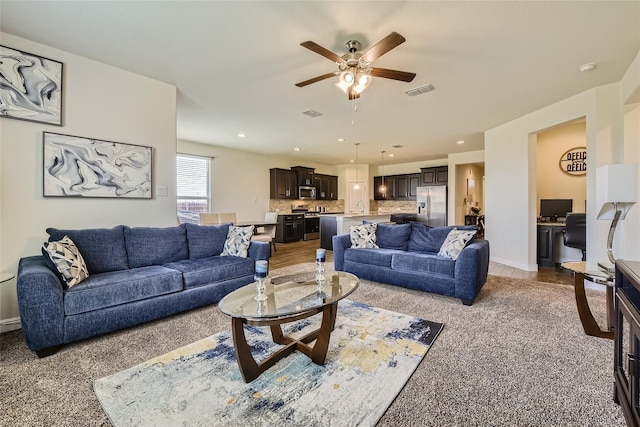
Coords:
408,256
135,275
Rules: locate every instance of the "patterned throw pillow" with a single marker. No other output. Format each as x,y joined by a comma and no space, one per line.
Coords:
455,242
238,240
68,260
363,236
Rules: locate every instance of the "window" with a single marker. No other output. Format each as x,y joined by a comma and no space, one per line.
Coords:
193,187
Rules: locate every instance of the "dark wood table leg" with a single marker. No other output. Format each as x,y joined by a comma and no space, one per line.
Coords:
589,323
319,353
251,370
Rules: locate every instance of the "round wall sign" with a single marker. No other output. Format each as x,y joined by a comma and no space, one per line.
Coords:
574,161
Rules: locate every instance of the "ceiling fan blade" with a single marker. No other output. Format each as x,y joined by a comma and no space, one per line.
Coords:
383,46
392,74
315,47
317,79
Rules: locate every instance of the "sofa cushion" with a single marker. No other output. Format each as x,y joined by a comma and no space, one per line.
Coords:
204,271
206,240
238,241
67,260
372,256
155,245
119,287
427,239
363,236
455,242
103,249
423,263
390,236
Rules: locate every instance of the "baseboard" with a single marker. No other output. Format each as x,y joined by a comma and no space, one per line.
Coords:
10,324
519,266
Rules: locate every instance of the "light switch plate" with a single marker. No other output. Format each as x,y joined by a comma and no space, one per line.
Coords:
162,190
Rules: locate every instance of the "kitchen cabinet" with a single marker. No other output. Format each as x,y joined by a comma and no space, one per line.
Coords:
407,186
304,175
627,340
391,187
326,187
290,228
283,184
435,175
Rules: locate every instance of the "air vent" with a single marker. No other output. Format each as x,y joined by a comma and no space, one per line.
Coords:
312,113
397,146
420,90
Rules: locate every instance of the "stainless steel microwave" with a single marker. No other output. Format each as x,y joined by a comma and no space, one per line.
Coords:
305,192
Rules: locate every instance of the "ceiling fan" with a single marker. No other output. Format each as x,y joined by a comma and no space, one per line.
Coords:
355,68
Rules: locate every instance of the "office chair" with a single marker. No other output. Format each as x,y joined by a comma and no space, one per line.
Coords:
575,234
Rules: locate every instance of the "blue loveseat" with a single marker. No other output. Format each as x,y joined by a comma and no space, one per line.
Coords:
135,275
408,256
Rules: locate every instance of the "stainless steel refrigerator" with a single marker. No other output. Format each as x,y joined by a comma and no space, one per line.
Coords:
432,205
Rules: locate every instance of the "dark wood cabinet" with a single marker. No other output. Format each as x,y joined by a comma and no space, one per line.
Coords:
283,184
390,187
627,340
407,186
326,187
290,228
547,235
305,176
435,175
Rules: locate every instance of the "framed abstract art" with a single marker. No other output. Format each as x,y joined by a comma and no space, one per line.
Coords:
30,87
84,167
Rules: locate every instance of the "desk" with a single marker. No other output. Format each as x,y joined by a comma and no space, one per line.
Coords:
589,323
548,243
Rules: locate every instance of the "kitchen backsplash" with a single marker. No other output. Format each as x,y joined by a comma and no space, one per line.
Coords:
284,206
391,206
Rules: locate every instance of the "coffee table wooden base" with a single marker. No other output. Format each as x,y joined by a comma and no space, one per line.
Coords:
251,370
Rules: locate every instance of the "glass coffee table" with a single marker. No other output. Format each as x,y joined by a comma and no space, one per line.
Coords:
286,302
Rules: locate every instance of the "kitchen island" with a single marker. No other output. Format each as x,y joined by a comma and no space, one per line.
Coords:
331,225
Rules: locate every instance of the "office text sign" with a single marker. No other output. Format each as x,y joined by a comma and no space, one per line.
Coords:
574,161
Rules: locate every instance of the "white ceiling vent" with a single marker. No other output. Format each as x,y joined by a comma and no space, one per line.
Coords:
420,90
312,113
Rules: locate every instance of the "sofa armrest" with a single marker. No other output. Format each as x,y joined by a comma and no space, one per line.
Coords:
40,301
340,243
259,250
472,268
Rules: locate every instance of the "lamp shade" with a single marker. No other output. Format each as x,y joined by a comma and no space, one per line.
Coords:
616,189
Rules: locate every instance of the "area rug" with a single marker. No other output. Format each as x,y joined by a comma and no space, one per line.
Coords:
372,354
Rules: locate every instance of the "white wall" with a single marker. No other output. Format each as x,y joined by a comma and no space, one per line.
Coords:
99,101
240,179
510,170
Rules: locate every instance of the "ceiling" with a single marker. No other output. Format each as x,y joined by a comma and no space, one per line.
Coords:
235,65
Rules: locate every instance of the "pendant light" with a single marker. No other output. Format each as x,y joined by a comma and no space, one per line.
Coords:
356,186
382,188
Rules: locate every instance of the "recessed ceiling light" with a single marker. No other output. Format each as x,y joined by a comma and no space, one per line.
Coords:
391,155
352,161
340,139
461,142
587,67
241,135
296,149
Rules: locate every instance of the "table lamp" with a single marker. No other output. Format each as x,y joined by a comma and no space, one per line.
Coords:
616,192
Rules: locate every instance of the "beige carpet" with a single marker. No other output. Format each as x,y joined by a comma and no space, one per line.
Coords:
517,357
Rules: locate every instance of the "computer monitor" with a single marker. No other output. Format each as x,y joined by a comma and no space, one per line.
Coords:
554,208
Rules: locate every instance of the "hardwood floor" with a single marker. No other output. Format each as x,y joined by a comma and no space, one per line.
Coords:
305,251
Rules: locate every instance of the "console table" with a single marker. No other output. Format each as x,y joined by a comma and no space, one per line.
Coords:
627,340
